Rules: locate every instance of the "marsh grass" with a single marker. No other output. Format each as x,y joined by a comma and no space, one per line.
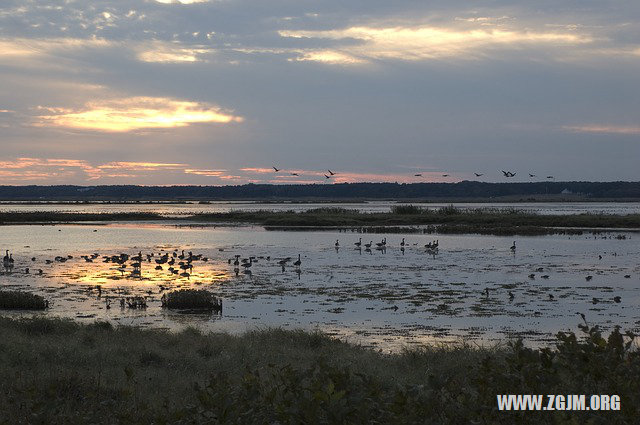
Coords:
58,371
449,219
193,299
18,300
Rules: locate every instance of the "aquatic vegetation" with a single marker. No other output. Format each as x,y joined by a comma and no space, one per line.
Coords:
19,300
194,299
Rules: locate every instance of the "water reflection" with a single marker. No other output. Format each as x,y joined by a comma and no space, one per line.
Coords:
472,287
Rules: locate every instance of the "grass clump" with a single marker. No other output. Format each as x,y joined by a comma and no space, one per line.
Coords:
406,209
18,300
192,299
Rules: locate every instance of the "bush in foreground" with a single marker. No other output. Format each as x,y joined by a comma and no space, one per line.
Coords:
18,300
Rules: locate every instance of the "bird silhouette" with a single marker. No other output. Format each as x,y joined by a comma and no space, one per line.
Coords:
294,174
277,169
418,175
331,172
531,175
327,176
445,175
508,173
478,174
550,177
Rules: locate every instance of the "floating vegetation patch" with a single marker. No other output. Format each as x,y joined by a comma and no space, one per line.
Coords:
192,299
18,300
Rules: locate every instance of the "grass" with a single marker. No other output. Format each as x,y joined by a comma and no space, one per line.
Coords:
193,299
445,220
57,371
66,217
18,300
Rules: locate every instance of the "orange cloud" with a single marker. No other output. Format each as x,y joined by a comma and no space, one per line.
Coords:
604,129
208,173
141,166
135,113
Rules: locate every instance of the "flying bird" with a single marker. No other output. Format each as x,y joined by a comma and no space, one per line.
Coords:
327,176
550,177
277,169
508,173
294,174
418,175
445,175
531,175
478,174
331,172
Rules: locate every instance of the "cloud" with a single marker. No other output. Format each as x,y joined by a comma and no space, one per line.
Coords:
140,166
161,52
135,113
22,47
365,43
604,129
207,173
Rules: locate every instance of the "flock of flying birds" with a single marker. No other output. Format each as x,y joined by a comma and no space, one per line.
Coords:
504,173
331,173
507,174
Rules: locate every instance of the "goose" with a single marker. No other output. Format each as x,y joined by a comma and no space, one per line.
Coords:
337,244
294,174
331,172
479,174
359,243
328,177
247,265
368,245
297,263
402,243
417,175
277,169
382,243
513,247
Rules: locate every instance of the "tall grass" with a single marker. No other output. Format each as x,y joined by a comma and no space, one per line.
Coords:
57,371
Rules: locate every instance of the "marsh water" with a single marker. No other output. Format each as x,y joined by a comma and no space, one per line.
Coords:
184,208
475,288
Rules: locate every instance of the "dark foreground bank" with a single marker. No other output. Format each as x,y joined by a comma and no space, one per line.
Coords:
54,371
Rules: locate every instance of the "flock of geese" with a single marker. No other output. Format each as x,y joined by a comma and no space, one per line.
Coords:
507,174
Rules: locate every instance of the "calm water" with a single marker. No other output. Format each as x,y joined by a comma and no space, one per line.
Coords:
382,298
371,206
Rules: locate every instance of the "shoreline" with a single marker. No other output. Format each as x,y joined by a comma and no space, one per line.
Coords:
403,219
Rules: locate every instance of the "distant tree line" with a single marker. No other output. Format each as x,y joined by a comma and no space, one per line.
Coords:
341,191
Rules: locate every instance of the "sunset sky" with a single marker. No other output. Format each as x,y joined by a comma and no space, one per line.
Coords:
218,92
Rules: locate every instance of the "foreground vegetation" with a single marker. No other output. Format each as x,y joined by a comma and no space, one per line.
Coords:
443,220
56,371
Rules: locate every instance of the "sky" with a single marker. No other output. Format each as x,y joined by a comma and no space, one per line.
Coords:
218,92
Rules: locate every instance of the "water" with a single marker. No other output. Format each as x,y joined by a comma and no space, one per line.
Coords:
383,298
170,209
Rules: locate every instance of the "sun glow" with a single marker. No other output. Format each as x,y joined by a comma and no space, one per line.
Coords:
135,113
